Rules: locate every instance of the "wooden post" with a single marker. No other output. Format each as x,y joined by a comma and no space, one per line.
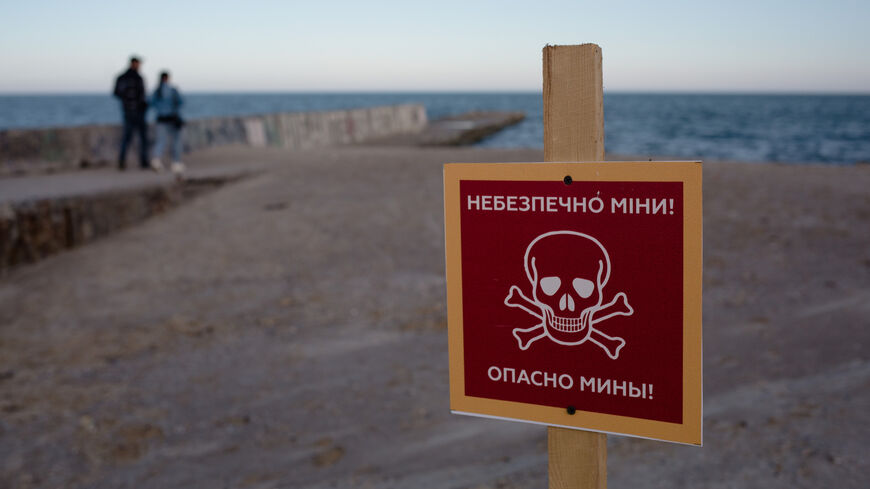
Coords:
574,131
573,103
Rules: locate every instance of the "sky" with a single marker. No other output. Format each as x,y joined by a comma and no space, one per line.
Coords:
323,46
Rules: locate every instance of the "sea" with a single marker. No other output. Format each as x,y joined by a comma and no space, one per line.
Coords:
827,129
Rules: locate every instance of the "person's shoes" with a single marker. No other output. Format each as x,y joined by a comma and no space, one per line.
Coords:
122,167
156,165
178,168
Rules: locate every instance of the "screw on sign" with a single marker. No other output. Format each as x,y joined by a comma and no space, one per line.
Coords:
567,271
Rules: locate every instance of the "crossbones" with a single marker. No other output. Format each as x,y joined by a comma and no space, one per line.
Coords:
567,271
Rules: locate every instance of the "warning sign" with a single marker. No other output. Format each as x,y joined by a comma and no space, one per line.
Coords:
574,294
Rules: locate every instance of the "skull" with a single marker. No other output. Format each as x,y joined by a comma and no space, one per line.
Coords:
567,271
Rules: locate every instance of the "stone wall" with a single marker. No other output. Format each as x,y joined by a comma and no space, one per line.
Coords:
53,149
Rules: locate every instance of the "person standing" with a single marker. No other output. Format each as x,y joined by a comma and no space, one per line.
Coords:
167,101
130,90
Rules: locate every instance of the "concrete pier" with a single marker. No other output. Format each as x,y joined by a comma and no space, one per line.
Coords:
24,151
459,130
42,214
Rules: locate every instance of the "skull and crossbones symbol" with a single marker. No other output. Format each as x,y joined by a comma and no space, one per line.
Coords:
568,271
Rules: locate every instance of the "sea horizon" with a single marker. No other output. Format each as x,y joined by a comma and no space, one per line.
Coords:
828,128
770,93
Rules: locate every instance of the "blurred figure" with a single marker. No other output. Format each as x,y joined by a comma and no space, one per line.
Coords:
167,101
130,90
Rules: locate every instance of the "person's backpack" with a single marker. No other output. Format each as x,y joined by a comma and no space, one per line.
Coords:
176,103
174,117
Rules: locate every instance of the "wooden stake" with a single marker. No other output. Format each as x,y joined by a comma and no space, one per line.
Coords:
573,103
574,131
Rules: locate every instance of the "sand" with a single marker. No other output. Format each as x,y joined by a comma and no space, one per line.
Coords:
289,330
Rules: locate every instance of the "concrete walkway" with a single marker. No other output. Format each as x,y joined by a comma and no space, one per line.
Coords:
44,214
95,181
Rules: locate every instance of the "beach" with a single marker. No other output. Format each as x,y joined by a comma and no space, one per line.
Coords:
289,330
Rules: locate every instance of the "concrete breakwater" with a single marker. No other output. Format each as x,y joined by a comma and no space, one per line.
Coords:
58,149
458,130
35,226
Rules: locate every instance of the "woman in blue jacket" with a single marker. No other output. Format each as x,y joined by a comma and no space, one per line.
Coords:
167,102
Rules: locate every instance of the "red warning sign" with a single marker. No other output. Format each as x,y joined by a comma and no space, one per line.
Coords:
574,294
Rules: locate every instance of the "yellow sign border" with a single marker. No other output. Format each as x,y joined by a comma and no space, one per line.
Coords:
690,173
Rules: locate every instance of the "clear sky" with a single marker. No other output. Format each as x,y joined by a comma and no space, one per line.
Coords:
446,45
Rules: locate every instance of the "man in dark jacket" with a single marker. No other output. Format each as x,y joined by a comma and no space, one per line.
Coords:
130,90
